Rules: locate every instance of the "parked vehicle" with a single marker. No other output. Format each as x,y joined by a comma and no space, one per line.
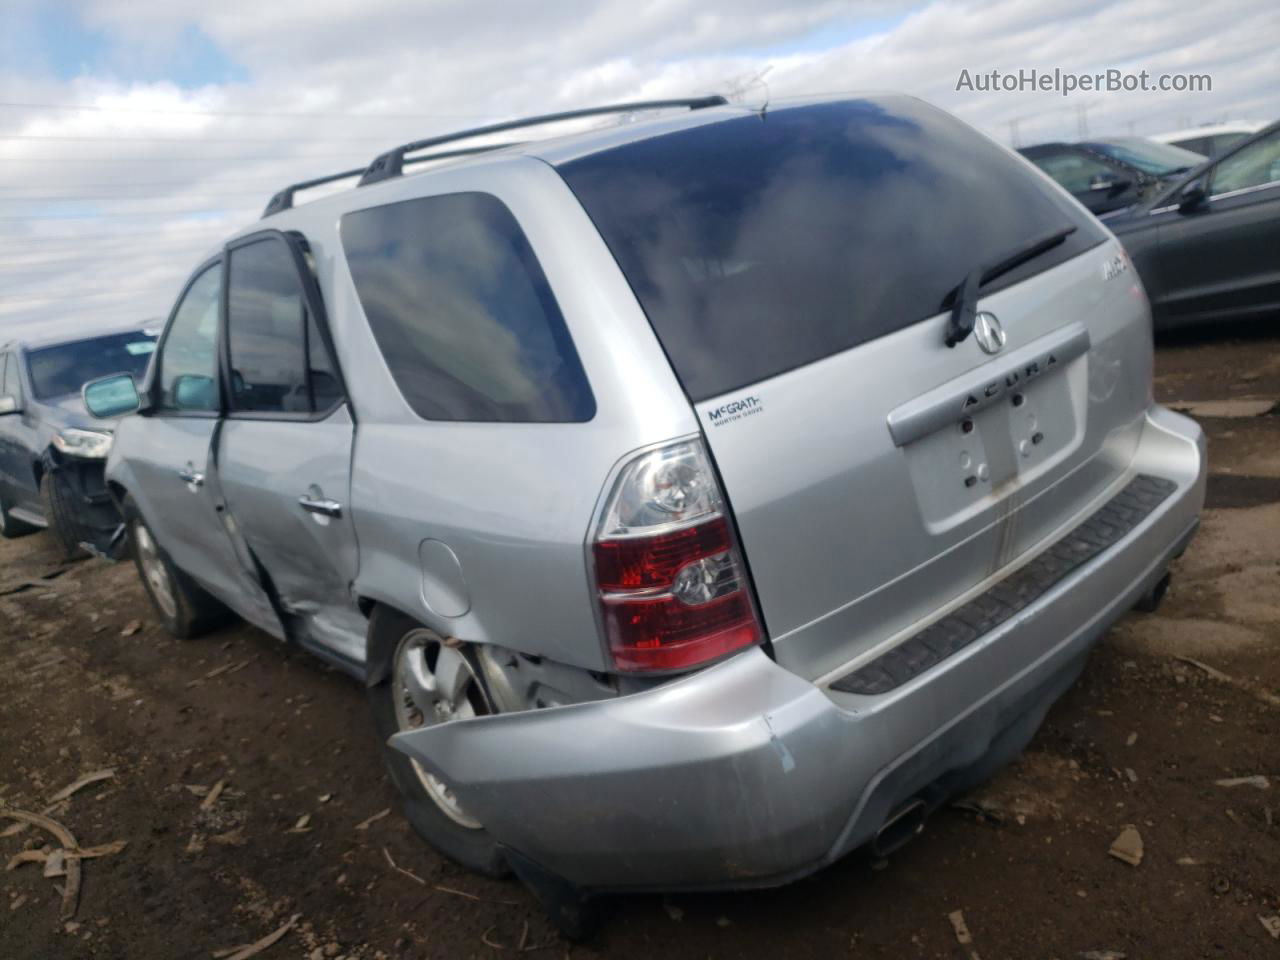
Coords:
1212,139
52,451
1208,246
1111,175
699,499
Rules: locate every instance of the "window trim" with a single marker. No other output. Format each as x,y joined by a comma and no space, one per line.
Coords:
151,390
296,245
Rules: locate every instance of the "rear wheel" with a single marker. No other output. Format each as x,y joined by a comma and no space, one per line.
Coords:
60,513
186,609
430,681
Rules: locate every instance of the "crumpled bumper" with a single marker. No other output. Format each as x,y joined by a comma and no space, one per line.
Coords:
745,774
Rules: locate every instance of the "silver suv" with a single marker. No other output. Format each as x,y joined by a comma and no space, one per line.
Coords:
699,498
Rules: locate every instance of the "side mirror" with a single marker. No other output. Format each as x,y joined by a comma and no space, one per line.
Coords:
9,405
194,392
111,396
1192,196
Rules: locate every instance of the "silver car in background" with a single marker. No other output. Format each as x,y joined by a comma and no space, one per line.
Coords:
699,498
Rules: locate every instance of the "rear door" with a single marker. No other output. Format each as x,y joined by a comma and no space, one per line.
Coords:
802,294
1223,257
285,450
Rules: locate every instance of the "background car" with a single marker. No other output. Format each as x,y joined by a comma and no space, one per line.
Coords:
52,450
1110,175
1208,246
1213,139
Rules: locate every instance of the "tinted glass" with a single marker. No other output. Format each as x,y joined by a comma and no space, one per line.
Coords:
189,359
1074,171
759,244
463,313
62,370
1161,159
266,330
1253,166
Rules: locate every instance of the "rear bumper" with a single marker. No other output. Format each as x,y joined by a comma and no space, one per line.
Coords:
748,775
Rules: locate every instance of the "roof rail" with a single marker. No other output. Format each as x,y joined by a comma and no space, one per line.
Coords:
391,164
284,199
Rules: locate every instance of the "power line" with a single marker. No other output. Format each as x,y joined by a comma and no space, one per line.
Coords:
291,139
108,216
82,198
95,108
240,158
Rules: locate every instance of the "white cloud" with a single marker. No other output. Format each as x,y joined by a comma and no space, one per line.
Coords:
108,225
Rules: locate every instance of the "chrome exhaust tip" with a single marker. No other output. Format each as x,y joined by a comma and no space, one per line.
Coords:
1150,601
900,829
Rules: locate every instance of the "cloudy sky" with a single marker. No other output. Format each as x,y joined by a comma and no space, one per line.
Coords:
135,134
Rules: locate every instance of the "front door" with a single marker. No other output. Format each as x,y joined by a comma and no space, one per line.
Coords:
285,450
1223,258
171,449
17,443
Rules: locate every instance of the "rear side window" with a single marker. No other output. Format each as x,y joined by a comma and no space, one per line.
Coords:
279,363
762,243
462,312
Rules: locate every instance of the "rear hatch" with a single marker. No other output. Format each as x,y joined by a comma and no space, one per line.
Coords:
800,268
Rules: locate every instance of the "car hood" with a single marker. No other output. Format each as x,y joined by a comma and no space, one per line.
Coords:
70,411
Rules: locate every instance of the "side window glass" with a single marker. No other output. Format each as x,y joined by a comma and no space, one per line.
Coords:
1073,170
277,357
188,363
463,313
326,390
4,375
1254,166
13,377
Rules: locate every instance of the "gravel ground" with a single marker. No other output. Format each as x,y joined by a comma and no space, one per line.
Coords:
92,683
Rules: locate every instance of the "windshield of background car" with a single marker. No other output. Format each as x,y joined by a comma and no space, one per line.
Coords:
767,241
64,369
1148,156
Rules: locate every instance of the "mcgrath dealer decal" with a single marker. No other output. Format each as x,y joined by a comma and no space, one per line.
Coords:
735,410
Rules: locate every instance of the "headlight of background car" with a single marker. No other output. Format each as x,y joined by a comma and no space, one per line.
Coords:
89,444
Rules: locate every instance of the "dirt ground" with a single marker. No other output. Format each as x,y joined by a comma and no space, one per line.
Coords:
91,683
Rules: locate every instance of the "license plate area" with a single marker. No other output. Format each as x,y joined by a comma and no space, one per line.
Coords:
973,445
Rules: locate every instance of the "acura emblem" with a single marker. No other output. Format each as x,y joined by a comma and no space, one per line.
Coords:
988,332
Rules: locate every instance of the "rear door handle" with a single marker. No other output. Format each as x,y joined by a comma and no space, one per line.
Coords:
320,507
190,477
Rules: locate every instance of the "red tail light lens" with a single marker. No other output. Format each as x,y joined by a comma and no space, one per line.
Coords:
671,583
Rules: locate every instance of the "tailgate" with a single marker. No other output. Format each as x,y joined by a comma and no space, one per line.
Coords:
873,488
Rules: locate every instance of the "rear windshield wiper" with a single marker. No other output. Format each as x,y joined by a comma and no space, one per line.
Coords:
965,306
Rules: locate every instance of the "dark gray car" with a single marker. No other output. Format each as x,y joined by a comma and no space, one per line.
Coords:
52,450
1208,246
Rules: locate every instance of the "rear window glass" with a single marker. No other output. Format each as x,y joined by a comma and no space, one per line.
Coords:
762,243
462,312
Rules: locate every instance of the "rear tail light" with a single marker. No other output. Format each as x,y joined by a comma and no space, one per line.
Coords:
672,586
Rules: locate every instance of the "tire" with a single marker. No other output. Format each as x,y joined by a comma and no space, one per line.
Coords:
60,512
468,844
185,608
12,528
